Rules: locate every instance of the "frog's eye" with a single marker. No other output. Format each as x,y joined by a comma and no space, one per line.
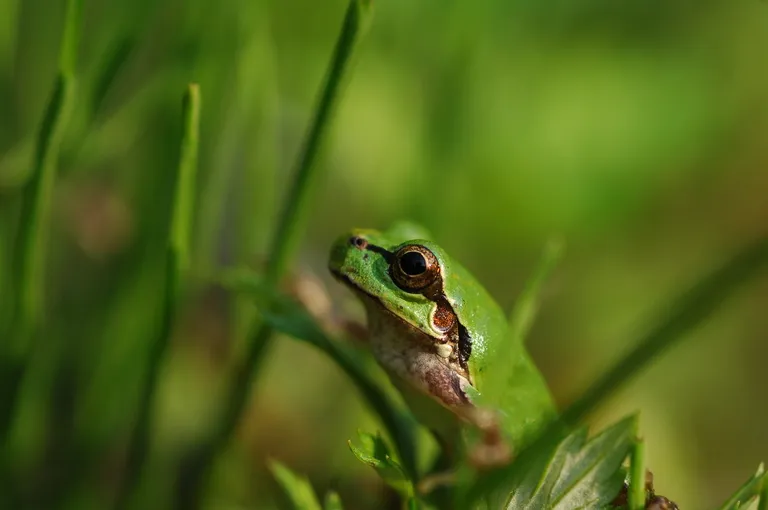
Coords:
415,268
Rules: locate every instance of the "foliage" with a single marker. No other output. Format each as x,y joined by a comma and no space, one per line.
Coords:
118,213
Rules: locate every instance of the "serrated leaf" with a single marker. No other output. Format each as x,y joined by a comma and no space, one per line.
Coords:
576,473
288,317
332,501
751,489
297,487
374,452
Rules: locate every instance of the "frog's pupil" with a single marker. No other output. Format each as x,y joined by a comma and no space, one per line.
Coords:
413,263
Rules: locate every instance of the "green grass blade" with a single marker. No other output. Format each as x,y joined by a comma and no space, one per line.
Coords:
289,230
297,488
685,313
36,196
176,266
183,204
524,312
30,246
752,488
294,215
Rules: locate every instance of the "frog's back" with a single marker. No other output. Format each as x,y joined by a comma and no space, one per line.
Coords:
502,371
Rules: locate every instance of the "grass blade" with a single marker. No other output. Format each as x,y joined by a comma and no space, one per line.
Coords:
296,487
524,312
290,227
30,246
176,265
752,488
685,313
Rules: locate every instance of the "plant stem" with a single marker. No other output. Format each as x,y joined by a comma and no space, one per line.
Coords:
687,312
637,477
177,264
285,241
30,246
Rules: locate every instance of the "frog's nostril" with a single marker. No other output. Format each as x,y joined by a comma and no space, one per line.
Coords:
358,242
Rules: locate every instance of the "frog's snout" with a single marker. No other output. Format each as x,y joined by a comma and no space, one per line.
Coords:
340,251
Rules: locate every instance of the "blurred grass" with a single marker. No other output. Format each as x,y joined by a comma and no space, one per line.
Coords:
28,256
176,269
637,131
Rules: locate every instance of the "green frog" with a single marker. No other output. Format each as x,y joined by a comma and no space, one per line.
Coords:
444,341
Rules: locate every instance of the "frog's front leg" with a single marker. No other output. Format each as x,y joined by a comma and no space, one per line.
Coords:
492,450
310,291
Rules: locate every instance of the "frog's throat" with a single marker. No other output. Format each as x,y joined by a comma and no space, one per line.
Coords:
410,355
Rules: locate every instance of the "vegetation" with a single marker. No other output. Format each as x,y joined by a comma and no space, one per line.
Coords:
147,359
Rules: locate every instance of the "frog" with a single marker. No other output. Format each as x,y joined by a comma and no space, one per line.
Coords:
444,342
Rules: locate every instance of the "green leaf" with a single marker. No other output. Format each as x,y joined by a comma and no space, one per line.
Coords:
374,452
288,317
297,487
751,489
576,473
763,504
332,501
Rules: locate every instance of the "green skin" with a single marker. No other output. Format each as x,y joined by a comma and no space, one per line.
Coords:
496,386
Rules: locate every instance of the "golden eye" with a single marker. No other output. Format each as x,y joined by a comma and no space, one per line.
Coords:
415,268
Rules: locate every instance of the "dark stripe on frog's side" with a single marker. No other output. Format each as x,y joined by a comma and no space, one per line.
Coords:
445,318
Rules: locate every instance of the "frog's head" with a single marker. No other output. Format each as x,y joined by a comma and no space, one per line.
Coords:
393,268
400,271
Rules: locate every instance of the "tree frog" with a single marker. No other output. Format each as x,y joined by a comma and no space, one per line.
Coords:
443,340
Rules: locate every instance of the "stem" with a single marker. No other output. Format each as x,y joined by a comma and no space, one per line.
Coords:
177,263
637,477
285,241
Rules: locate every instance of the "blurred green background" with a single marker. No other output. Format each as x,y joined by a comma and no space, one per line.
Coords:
637,131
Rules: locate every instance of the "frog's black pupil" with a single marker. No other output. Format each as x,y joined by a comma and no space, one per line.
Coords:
413,263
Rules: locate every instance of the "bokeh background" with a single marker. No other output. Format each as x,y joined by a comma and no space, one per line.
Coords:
636,131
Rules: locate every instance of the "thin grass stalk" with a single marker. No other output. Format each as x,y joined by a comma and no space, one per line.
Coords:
30,245
637,477
290,227
177,264
685,313
527,304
